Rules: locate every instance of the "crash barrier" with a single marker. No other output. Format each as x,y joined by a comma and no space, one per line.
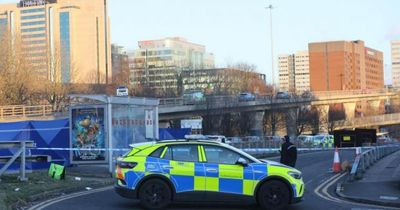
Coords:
367,158
57,171
19,156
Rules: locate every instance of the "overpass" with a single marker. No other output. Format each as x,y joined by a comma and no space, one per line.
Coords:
174,108
370,121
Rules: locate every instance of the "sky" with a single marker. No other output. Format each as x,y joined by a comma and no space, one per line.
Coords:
239,30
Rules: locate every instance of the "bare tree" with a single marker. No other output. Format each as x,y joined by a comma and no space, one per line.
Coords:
17,83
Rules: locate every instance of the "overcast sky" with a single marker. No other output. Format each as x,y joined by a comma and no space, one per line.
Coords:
239,30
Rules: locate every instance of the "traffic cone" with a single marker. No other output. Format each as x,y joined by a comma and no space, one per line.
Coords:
336,162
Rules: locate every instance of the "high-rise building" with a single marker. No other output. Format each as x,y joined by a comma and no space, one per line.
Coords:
396,63
294,75
286,72
157,63
345,65
120,65
65,40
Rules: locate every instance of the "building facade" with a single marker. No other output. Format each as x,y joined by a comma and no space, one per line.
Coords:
395,45
157,64
345,65
65,40
294,74
120,65
172,51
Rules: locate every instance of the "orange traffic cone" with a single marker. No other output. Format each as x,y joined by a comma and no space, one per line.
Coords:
336,162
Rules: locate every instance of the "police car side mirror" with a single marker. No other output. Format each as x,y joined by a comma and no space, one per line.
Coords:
242,162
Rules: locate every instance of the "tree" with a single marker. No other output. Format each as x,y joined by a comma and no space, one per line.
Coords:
305,120
17,84
273,122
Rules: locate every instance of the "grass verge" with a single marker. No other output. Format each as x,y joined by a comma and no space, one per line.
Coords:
15,194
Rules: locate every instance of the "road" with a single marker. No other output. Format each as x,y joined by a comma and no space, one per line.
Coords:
316,168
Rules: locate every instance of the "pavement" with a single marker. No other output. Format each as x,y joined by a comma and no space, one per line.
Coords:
380,184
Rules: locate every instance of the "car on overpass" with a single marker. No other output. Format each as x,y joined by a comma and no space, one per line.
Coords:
158,173
247,96
282,95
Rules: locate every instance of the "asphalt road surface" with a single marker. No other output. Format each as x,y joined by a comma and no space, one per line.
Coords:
316,168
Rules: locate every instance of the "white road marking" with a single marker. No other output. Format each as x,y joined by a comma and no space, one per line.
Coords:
392,198
325,195
47,203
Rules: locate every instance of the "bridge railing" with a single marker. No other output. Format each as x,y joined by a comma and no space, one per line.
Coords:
349,92
368,121
18,111
370,157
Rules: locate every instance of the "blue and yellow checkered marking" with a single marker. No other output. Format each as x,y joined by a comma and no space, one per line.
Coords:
194,176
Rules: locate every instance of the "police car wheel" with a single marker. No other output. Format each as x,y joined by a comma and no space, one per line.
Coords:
155,194
273,195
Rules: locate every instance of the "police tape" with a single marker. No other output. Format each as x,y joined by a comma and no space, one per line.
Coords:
250,150
82,149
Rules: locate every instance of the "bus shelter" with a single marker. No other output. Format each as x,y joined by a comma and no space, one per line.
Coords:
102,127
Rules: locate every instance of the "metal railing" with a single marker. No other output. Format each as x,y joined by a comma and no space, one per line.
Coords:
368,158
369,121
19,111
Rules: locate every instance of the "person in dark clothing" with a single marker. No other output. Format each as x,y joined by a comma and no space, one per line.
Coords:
288,153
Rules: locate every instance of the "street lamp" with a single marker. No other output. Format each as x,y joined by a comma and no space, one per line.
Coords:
270,7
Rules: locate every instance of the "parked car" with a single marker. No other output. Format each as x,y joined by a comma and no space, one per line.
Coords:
307,94
159,173
273,138
306,139
234,139
247,96
282,95
192,97
218,138
122,91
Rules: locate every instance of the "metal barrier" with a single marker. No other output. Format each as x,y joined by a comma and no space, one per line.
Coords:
368,158
22,145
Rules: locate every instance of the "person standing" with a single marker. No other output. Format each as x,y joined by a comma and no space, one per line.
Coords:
288,153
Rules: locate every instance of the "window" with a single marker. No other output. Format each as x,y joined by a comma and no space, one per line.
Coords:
32,10
33,23
33,29
187,153
157,153
220,155
32,17
33,35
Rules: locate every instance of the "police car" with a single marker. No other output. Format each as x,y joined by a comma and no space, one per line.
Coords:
158,173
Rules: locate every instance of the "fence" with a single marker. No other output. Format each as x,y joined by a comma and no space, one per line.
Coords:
18,111
368,158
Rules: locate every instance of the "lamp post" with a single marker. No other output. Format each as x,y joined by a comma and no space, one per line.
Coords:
270,7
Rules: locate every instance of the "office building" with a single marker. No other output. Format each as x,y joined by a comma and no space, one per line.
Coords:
157,64
172,51
120,65
65,40
345,65
294,75
395,45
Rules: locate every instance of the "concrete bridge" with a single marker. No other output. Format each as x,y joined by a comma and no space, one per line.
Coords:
175,108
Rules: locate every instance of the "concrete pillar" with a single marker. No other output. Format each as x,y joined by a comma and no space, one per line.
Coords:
256,123
375,106
291,119
323,114
349,109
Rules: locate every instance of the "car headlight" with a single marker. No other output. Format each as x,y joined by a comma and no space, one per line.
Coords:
294,174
